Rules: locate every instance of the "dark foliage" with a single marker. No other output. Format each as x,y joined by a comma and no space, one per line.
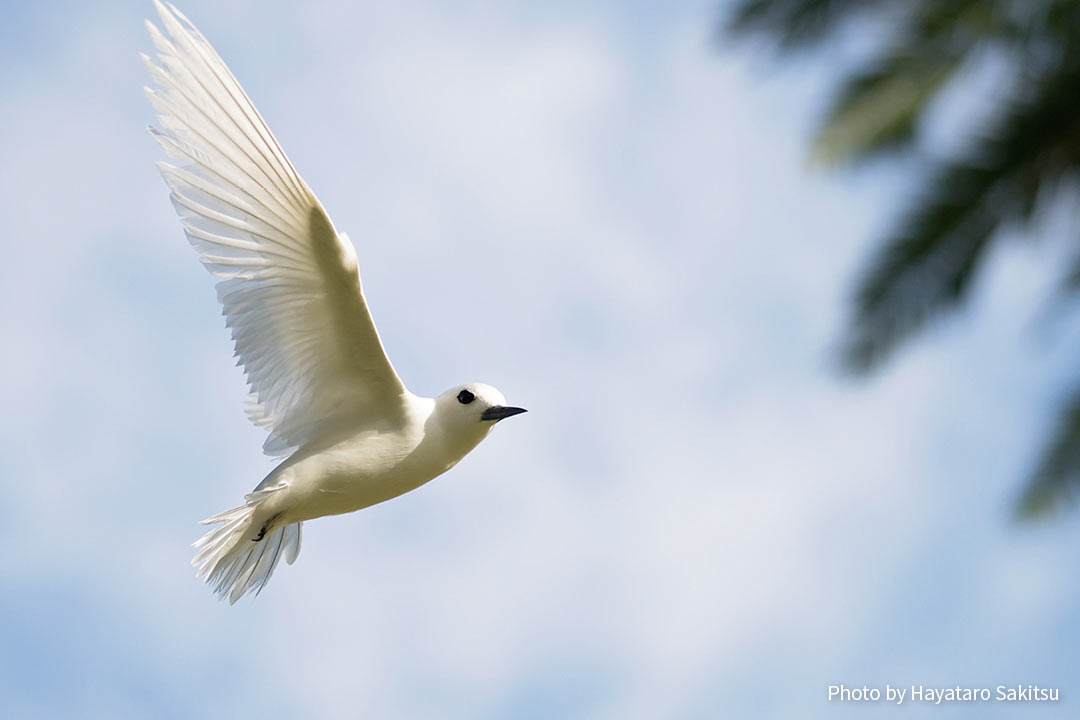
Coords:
1015,163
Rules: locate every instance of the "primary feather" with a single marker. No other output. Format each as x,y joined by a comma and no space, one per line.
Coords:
290,284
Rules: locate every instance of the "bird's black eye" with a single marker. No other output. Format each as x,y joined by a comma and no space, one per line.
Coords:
465,397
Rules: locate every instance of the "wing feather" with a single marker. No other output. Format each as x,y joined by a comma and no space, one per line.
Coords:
290,286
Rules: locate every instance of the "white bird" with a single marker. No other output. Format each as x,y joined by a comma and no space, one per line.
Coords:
320,381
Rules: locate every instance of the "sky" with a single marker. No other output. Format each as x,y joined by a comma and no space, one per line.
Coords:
609,215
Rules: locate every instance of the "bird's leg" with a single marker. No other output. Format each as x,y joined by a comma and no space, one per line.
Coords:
264,528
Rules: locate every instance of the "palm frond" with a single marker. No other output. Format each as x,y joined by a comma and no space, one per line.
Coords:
928,264
1056,481
876,110
794,23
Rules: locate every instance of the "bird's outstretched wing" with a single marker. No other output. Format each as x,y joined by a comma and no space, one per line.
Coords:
291,288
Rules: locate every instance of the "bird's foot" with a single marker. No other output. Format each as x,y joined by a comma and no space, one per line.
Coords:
263,529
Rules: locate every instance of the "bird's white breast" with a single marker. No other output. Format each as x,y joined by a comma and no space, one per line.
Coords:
355,468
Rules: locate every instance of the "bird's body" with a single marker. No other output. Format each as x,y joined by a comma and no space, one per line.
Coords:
351,433
356,467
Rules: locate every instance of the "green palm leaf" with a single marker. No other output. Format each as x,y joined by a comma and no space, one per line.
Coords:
1057,479
926,265
794,23
877,110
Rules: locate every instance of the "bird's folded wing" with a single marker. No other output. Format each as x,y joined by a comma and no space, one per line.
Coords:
291,288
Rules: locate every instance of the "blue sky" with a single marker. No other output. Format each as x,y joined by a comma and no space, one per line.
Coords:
698,517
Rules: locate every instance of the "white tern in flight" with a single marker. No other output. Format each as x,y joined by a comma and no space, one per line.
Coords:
320,381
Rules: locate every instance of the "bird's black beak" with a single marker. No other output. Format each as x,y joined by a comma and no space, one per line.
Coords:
499,412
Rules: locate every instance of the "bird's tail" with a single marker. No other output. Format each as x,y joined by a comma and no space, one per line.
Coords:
236,556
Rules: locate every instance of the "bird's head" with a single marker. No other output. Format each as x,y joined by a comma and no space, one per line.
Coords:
474,407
